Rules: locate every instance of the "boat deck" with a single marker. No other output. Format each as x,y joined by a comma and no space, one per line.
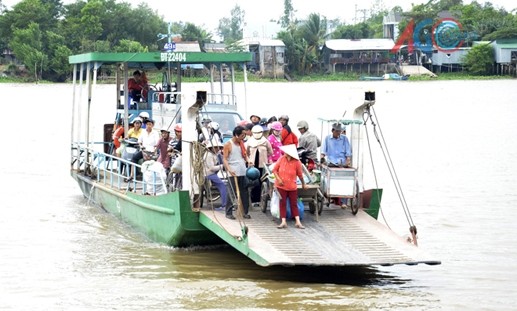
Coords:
338,238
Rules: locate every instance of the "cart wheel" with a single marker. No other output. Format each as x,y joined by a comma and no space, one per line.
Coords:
264,197
312,207
355,202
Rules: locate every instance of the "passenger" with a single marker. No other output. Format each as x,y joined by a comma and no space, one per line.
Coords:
235,159
214,131
286,170
136,130
144,116
254,119
336,148
175,144
224,127
118,133
248,128
138,87
162,146
275,139
288,137
308,140
147,141
258,149
212,167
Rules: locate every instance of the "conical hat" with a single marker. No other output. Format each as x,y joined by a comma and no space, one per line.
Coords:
290,150
214,142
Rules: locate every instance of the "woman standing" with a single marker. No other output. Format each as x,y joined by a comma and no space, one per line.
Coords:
286,170
275,139
258,149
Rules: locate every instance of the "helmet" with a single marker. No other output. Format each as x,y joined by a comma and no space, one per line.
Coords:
252,173
206,120
137,119
214,125
178,127
276,126
303,125
263,121
284,117
144,114
257,129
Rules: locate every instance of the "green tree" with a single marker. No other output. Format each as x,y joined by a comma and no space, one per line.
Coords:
27,46
479,59
58,52
125,45
313,31
192,32
288,16
231,29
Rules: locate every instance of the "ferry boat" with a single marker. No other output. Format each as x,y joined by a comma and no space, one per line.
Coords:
333,236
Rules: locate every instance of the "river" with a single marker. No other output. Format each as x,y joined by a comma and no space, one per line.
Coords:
452,142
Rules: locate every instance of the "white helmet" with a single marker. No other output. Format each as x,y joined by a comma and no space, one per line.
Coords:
257,131
137,119
214,125
144,114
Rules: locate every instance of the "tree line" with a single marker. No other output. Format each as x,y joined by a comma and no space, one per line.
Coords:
43,33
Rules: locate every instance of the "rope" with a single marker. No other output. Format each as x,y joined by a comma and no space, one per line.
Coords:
369,114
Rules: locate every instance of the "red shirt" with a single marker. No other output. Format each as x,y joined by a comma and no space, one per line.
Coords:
287,171
289,138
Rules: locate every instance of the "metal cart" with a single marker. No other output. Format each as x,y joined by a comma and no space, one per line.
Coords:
340,183
312,195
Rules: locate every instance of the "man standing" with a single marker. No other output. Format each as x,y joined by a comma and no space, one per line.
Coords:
235,159
336,147
308,140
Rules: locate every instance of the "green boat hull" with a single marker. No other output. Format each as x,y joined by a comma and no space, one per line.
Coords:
165,219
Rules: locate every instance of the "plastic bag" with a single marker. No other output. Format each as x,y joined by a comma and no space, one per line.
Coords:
275,204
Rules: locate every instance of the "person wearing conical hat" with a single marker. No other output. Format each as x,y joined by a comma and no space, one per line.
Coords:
213,166
286,170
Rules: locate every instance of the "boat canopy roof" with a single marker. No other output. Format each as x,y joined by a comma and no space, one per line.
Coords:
342,121
160,59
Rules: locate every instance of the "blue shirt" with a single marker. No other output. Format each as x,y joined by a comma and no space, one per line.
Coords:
336,149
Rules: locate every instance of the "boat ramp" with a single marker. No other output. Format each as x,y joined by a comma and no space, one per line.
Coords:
335,238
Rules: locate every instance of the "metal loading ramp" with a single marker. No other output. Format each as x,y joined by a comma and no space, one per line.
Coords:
337,239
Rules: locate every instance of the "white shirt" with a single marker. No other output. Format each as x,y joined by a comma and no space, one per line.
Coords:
149,140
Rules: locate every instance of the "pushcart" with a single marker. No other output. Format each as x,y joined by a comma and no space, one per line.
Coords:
312,195
340,183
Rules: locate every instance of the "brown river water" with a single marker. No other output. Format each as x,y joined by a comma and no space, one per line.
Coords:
453,144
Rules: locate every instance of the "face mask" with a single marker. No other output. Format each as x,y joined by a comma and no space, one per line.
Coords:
257,135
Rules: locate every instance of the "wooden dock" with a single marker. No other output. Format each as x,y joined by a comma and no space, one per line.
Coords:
338,238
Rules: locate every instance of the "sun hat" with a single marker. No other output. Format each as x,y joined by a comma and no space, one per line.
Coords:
290,150
214,142
338,126
144,114
276,125
254,115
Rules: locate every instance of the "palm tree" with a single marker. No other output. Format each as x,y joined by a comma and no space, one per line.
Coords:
314,32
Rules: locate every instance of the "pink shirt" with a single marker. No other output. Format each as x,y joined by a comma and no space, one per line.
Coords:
275,144
287,171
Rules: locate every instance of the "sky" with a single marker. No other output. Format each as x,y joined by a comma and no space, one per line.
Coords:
258,14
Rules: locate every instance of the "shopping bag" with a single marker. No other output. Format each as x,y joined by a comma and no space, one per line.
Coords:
275,204
300,205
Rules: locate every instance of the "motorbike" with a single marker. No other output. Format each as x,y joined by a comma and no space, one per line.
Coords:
131,147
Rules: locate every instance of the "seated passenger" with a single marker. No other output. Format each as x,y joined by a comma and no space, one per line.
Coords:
212,166
138,87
